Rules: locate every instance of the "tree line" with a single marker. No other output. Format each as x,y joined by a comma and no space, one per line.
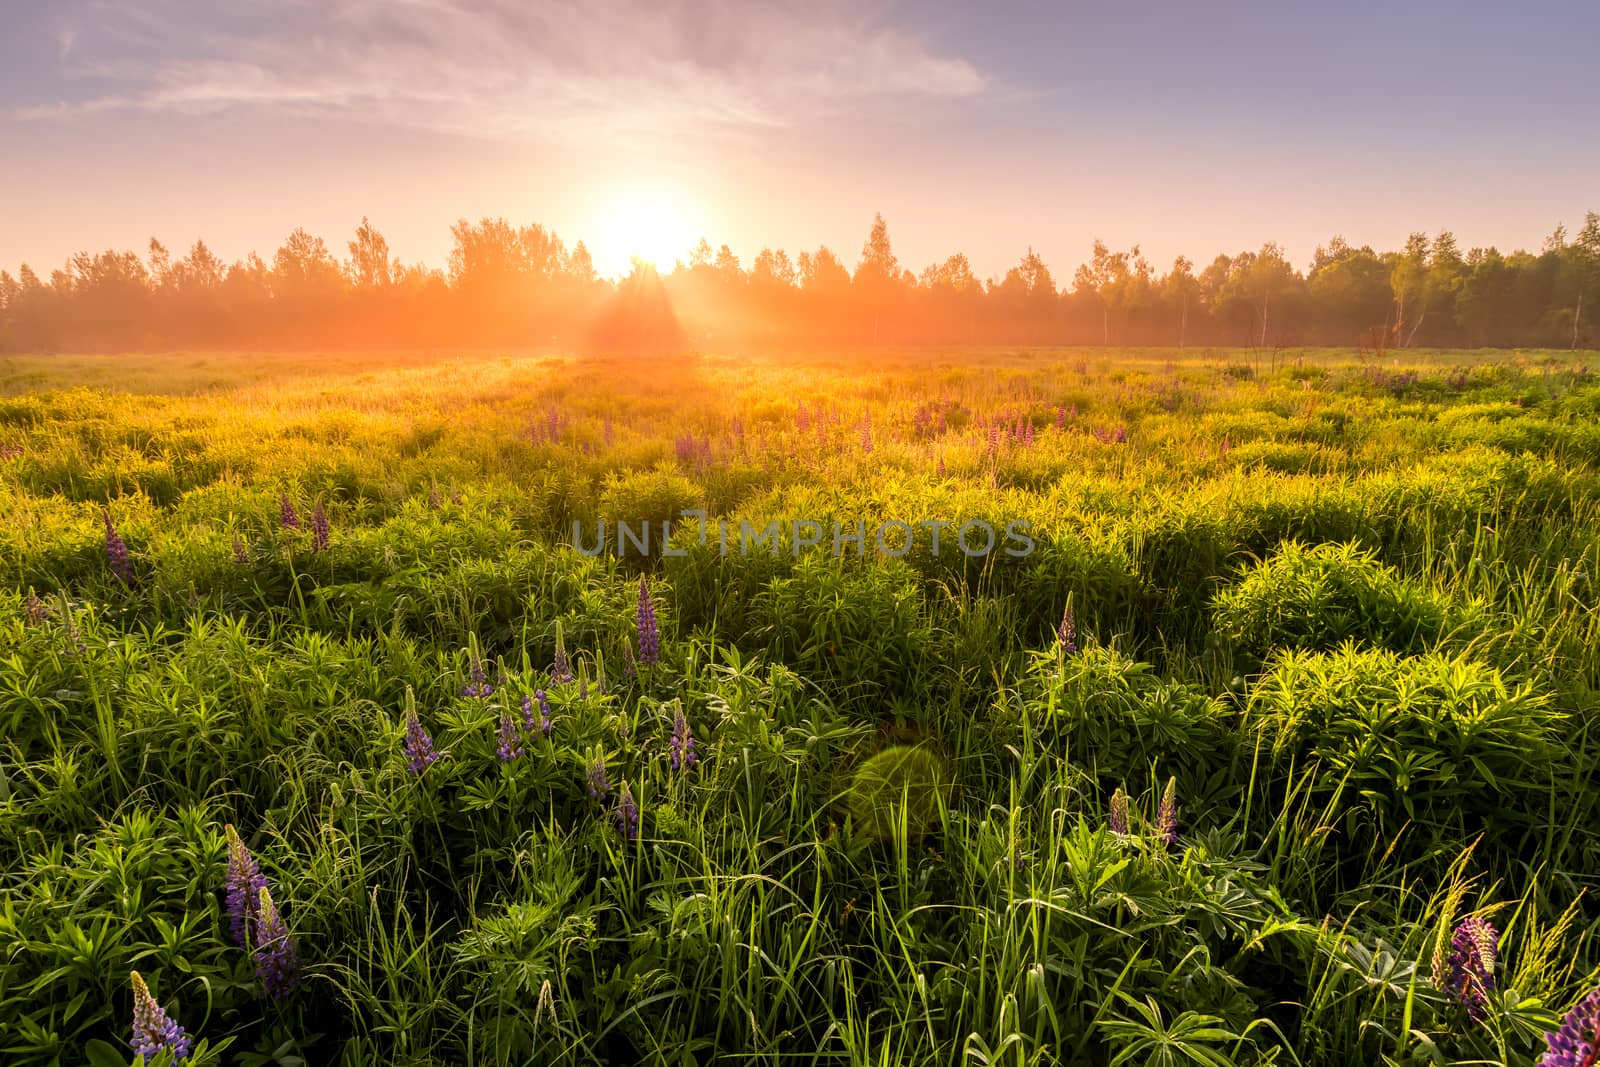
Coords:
522,286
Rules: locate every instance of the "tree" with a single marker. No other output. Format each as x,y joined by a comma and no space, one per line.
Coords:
369,266
1181,287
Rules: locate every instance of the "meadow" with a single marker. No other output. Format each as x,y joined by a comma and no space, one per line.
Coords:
1277,747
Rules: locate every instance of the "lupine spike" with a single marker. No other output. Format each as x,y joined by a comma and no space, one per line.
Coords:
1067,632
117,554
277,960
420,752
245,883
649,634
35,610
1577,1042
1467,975
1118,821
544,711
287,518
477,678
320,532
683,757
510,743
627,814
599,788
154,1031
527,713
1167,814
561,667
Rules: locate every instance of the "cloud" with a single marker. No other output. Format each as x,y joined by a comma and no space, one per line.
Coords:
500,67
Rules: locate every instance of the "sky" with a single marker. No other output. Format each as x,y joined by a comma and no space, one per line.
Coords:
639,127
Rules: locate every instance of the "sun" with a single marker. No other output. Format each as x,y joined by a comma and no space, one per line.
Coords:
651,221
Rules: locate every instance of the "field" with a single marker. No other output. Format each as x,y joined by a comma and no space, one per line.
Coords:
1297,679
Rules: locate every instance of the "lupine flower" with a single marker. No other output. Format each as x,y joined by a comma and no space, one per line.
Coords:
1577,1042
1122,435
35,610
1468,974
319,528
1167,814
941,466
117,554
277,961
72,638
154,1031
510,746
866,439
245,883
1118,822
544,712
1061,417
627,814
801,420
1067,632
286,514
683,756
527,713
599,788
477,680
609,433
561,667
240,556
649,635
419,746
630,666
435,498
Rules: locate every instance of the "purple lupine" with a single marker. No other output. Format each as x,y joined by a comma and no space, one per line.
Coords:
1061,417
544,711
35,610
1118,821
71,636
866,439
627,814
154,1032
599,788
245,882
649,634
1122,435
802,421
527,713
319,528
277,960
240,555
561,666
630,666
117,554
1167,814
477,679
510,744
1468,974
1067,632
419,746
683,756
287,518
994,438
1577,1042
610,434
435,498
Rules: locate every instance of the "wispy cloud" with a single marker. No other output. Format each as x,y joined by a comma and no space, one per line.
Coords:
502,67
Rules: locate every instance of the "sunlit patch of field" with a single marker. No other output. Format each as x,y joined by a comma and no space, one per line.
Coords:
1343,609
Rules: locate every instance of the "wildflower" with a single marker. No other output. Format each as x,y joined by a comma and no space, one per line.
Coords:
683,756
1061,417
866,439
941,466
117,554
544,712
245,881
319,528
1118,822
1468,974
477,680
510,746
561,667
630,666
610,435
153,1031
435,498
649,635
1122,435
72,638
277,961
240,556
801,420
599,788
627,814
1067,632
1167,814
1577,1042
419,746
286,514
35,609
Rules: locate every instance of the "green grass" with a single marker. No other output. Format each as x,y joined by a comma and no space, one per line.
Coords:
1353,614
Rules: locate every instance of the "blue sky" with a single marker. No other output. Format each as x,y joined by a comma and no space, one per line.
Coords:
979,128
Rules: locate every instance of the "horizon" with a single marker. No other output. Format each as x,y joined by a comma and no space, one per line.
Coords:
641,131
